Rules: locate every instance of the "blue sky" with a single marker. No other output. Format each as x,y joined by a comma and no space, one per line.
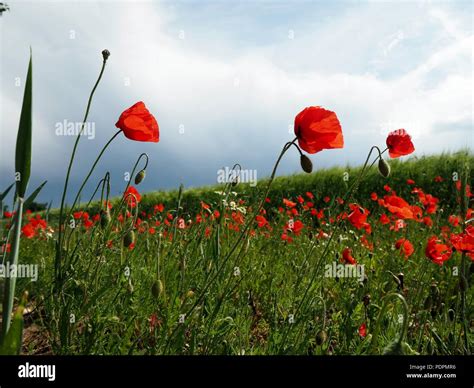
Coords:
225,80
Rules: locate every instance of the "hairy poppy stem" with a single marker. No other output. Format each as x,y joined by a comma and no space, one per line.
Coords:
348,194
236,244
76,199
58,258
373,343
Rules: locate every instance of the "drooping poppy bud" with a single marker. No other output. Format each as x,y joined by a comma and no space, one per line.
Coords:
306,164
105,218
321,337
129,238
157,288
384,168
140,176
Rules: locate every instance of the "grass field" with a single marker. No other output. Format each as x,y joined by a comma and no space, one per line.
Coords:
314,271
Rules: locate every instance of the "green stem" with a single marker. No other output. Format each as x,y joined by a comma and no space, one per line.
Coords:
241,236
57,262
373,343
10,282
328,243
90,173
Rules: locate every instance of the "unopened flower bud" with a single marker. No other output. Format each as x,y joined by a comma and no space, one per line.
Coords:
139,177
157,288
306,164
384,168
105,218
129,239
321,337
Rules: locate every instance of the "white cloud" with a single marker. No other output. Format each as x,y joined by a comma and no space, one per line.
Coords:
236,105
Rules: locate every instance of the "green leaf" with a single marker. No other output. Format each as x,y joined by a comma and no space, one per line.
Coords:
12,342
23,140
5,193
33,195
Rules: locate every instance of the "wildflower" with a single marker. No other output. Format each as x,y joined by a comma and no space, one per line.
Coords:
318,129
138,124
399,143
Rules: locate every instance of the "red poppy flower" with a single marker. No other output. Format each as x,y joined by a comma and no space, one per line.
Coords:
406,246
398,206
318,129
261,221
347,256
132,196
28,231
436,251
399,143
289,203
358,216
464,242
363,330
295,226
138,124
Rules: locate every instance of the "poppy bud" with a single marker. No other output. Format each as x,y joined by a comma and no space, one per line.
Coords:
157,288
235,181
366,300
104,218
306,164
384,168
139,177
451,315
401,277
321,337
190,294
129,239
105,54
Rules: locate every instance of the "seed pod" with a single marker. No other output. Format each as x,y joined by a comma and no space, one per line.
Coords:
129,239
306,164
105,54
190,294
321,337
157,288
384,168
105,218
140,176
